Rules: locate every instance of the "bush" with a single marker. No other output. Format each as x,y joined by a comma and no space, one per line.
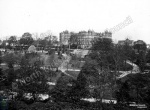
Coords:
12,105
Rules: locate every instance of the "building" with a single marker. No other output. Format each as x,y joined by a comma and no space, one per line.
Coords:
127,41
64,37
32,49
83,39
140,42
140,46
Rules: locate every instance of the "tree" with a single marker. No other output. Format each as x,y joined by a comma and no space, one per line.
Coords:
122,94
127,49
102,44
10,59
2,79
12,40
35,80
140,48
3,44
63,86
0,57
73,40
54,61
26,39
42,42
79,90
128,54
47,41
54,40
134,88
139,85
102,51
141,60
99,82
103,66
148,57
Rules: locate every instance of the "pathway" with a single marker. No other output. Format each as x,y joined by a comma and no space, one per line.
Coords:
133,71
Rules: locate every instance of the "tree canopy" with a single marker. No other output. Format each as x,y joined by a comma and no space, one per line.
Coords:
26,39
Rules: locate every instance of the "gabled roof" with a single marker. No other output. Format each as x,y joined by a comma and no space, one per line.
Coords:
32,48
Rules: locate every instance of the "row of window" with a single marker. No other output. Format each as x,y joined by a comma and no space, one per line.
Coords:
84,43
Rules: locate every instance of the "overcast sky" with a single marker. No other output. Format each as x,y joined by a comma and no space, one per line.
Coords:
19,16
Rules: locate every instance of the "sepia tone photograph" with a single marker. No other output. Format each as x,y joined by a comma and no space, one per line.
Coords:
74,55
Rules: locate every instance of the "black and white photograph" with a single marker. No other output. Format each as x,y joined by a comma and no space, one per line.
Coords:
74,54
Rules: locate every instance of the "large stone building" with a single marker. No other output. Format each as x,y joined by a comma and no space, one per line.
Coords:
65,37
83,38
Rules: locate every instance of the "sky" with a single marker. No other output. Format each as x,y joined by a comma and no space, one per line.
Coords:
55,16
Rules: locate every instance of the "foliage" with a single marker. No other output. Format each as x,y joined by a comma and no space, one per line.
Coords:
100,82
48,41
12,40
30,59
122,95
140,49
42,42
3,45
73,40
141,60
31,78
96,75
148,57
135,88
63,86
26,39
36,82
127,51
140,46
10,59
19,105
102,49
